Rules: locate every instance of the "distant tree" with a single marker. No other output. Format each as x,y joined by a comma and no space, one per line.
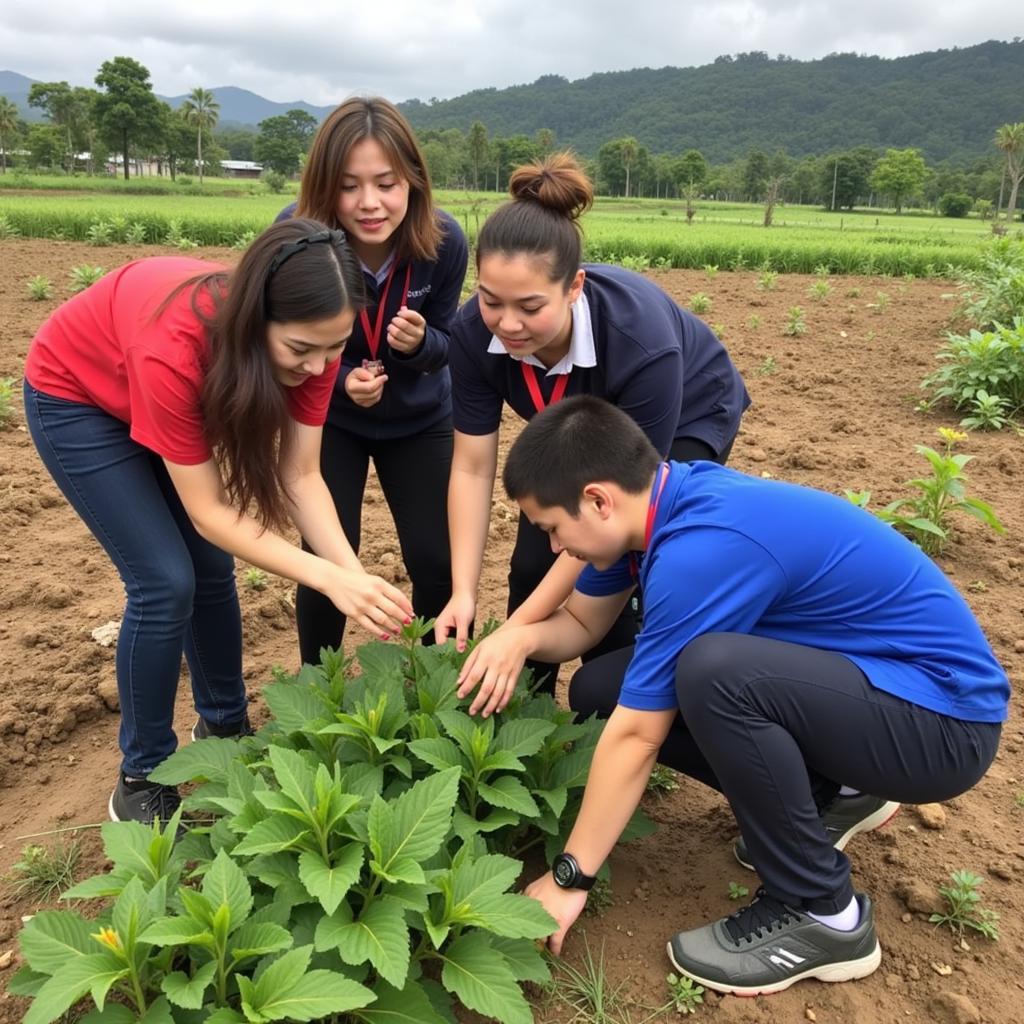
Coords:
899,174
177,140
955,204
8,129
756,172
691,170
67,108
772,192
304,125
628,151
544,140
282,140
127,111
845,177
511,153
803,184
1010,140
236,142
616,160
477,141
201,110
45,146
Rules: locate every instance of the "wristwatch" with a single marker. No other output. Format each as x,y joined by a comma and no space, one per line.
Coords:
568,874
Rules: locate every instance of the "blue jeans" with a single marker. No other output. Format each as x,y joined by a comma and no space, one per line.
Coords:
180,588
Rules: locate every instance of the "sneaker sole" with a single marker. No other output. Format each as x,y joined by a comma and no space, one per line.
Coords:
871,823
847,970
110,808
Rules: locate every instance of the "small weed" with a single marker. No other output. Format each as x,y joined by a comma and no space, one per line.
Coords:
686,994
7,229
795,325
279,674
820,291
44,873
255,579
1018,799
753,321
700,303
83,276
768,281
965,909
737,891
988,412
176,236
710,270
600,898
880,304
244,240
662,780
719,330
853,293
766,367
135,233
822,270
977,586
101,232
40,288
586,990
6,398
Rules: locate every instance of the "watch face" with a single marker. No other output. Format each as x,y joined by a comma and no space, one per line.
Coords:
564,872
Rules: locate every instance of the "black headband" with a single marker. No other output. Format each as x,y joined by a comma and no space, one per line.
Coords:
289,249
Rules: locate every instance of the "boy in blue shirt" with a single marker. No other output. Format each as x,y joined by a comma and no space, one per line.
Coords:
791,642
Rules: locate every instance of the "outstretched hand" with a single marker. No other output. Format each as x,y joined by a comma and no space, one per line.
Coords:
493,666
564,905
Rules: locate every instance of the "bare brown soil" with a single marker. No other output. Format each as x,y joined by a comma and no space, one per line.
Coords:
833,408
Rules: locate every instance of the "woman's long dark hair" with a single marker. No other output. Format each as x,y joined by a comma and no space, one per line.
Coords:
297,270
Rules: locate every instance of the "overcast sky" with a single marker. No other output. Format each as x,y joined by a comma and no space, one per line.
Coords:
321,52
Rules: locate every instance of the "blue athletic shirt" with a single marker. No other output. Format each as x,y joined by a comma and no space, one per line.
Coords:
730,553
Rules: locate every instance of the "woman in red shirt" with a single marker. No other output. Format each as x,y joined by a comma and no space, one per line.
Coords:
179,406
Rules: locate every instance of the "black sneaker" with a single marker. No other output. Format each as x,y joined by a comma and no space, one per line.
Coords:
844,818
768,946
144,801
204,730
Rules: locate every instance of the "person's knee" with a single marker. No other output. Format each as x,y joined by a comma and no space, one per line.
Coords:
702,664
172,596
587,697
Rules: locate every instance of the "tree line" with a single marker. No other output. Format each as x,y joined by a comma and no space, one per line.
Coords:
124,117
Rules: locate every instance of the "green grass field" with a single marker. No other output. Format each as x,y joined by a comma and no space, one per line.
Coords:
639,233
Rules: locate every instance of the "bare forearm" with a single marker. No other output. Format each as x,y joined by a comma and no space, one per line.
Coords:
312,510
551,593
469,504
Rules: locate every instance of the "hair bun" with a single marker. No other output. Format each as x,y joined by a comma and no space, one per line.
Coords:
557,183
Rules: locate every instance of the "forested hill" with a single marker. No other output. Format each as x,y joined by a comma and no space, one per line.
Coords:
947,103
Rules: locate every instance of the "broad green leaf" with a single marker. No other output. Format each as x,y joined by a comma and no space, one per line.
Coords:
327,883
187,992
381,662
364,780
256,938
412,896
508,792
514,916
472,881
379,935
573,769
53,937
483,980
294,776
131,912
523,958
126,843
638,826
226,1016
439,753
408,1006
501,761
466,827
459,726
272,836
295,708
414,825
197,906
522,737
205,759
554,798
159,1012
27,982
177,931
94,973
112,1013
399,870
225,884
100,886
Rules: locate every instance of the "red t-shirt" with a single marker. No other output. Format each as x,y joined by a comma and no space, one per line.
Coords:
105,348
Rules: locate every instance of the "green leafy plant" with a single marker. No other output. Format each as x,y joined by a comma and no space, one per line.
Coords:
766,367
988,412
924,518
991,362
6,399
255,578
7,229
819,290
40,288
964,909
135,233
274,182
586,990
795,325
83,276
700,303
600,898
853,293
737,891
100,233
710,270
685,994
351,857
662,780
993,292
44,873
754,321
768,280
244,240
176,236
880,304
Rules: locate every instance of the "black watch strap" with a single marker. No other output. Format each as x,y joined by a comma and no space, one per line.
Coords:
568,875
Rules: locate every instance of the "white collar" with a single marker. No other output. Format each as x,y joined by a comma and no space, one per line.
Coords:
581,346
385,268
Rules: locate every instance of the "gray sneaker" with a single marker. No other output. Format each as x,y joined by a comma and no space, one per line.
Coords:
204,730
844,818
769,946
143,801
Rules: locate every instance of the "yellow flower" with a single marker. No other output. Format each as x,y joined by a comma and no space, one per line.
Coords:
109,938
951,436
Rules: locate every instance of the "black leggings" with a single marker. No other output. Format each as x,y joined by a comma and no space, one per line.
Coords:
532,557
413,474
776,727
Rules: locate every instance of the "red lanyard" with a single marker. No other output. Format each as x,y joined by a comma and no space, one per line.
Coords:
652,511
530,376
373,336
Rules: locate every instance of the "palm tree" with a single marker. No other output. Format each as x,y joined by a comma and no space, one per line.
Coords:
8,126
1010,139
201,109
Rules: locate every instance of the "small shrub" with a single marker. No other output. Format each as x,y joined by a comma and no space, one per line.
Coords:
662,780
185,181
7,229
135,233
44,874
685,994
988,412
853,293
176,236
710,270
274,182
955,204
737,891
600,898
993,293
83,276
638,263
753,321
766,367
964,907
255,578
820,290
795,325
768,281
880,304
100,233
700,303
244,240
40,288
6,399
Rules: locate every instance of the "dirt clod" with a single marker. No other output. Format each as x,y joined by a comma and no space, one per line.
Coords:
953,1008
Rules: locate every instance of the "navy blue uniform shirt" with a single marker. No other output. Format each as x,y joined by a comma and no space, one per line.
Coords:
418,390
655,361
